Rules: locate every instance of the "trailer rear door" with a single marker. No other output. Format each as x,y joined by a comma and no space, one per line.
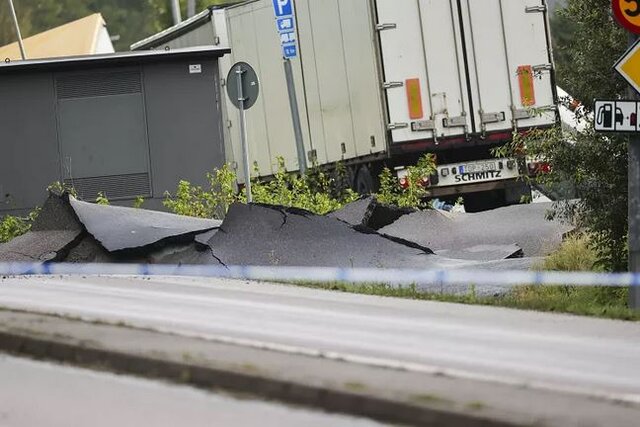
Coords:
509,64
461,67
424,72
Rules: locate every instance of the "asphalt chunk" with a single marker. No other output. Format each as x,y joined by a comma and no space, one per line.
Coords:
53,234
120,228
56,214
354,213
523,225
276,236
39,246
484,252
89,250
370,213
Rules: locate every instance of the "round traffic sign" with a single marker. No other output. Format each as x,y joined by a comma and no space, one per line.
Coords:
247,76
627,13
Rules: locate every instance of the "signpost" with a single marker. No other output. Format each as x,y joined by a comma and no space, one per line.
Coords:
286,26
622,116
630,73
243,89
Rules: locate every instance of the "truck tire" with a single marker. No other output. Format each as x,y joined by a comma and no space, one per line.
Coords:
364,183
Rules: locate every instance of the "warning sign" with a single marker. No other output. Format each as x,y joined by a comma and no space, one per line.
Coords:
627,13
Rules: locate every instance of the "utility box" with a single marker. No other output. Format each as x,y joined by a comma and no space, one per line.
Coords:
125,125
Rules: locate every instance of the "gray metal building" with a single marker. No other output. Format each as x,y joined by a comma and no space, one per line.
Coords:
127,124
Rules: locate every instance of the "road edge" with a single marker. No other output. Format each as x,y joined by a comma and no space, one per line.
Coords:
38,345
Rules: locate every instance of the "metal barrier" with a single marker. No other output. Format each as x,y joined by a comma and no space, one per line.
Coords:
322,274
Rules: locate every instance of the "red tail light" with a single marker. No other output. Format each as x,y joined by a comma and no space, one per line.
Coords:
536,168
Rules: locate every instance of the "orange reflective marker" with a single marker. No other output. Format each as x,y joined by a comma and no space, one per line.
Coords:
414,98
527,92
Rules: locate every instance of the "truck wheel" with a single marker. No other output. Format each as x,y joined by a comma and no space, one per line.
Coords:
364,182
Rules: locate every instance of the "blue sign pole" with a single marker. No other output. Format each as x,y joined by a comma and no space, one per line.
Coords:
286,27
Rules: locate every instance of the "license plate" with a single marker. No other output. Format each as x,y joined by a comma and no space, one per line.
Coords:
479,167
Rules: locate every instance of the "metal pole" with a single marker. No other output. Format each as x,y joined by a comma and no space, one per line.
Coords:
175,12
243,134
191,8
295,116
634,204
15,22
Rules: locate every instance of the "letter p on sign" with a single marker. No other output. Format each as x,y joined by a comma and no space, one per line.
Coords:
282,7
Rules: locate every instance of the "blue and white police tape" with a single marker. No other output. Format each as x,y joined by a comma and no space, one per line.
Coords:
323,274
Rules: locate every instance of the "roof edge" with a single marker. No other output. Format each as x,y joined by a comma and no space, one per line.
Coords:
117,58
185,26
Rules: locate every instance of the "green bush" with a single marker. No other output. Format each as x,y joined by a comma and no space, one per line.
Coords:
138,202
206,203
315,192
101,199
13,226
414,193
575,254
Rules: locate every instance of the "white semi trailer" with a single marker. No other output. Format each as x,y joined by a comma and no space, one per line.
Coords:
381,82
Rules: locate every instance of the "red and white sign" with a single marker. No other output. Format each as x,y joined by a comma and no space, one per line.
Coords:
627,13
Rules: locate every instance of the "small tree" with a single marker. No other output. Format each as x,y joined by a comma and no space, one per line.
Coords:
595,165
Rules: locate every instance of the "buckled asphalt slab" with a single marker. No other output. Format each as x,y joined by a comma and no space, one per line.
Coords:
367,211
120,228
54,232
524,225
68,230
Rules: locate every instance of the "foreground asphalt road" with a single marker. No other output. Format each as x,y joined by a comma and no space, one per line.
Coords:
38,394
544,351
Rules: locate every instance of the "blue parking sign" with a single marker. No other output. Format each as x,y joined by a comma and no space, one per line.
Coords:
288,38
283,7
285,24
290,51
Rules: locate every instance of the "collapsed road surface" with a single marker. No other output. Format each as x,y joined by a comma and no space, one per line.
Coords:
556,356
69,230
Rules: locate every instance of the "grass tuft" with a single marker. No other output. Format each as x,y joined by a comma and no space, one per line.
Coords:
586,301
575,254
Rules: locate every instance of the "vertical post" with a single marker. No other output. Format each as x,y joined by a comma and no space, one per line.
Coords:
191,8
17,25
243,133
634,204
295,116
175,12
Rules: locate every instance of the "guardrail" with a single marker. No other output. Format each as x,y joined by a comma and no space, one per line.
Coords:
322,274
